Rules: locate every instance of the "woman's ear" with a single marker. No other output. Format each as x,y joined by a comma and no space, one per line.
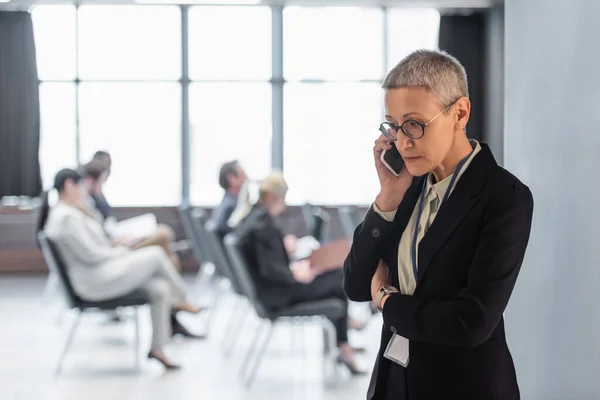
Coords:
463,112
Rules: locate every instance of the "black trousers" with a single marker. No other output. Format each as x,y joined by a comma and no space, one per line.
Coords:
326,286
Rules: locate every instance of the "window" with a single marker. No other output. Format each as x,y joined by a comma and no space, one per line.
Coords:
54,30
111,80
333,43
58,138
230,43
230,100
410,29
129,42
329,133
140,125
228,121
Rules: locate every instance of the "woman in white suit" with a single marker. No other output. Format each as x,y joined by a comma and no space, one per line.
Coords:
100,270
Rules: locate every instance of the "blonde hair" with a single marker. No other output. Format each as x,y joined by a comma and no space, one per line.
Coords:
250,193
274,184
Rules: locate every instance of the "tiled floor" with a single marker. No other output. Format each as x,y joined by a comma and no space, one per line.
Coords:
100,364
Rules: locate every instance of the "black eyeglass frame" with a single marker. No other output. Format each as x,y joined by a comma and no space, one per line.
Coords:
382,127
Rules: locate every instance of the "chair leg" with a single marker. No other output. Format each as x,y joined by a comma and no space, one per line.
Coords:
228,345
250,352
330,352
137,338
205,272
68,344
260,354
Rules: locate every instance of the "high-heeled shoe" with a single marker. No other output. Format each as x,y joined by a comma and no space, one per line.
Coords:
179,329
354,371
168,366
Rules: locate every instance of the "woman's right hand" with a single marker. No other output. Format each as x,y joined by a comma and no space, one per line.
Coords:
392,187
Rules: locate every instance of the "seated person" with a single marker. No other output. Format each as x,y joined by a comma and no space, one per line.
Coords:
281,284
95,175
231,178
99,270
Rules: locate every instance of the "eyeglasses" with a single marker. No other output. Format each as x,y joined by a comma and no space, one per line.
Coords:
411,128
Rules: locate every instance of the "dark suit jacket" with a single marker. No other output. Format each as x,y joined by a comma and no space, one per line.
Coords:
469,260
221,214
267,258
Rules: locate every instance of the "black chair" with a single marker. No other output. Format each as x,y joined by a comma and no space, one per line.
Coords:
299,313
201,250
317,221
351,217
57,266
224,269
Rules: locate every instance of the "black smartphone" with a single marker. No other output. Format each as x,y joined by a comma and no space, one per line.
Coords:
392,160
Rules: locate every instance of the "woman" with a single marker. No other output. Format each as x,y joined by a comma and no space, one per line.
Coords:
100,271
280,284
95,175
439,253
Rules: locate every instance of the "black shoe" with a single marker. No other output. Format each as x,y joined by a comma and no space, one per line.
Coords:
178,329
353,370
170,367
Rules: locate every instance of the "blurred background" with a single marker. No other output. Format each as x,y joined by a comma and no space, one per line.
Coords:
175,89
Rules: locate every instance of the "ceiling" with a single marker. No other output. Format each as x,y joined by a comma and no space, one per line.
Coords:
24,4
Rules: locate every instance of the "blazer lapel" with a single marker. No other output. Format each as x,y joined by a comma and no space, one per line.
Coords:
456,208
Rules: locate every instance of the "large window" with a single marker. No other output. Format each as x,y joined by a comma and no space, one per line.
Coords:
115,70
410,29
230,98
330,125
329,133
252,83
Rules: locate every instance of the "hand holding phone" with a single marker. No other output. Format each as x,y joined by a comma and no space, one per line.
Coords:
392,160
393,175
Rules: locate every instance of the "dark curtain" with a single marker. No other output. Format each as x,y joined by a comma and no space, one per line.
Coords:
463,36
19,107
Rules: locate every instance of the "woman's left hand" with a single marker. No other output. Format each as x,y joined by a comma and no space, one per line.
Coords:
380,279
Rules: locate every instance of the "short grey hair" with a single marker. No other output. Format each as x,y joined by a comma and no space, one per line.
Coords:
435,70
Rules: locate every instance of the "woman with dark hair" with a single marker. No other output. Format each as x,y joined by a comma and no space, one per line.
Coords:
99,270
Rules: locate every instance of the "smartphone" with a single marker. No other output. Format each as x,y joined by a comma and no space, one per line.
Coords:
392,160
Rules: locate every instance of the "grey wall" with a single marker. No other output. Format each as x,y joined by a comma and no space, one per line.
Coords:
553,144
493,133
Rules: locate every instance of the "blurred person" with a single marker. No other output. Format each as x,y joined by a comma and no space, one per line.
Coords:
280,283
99,270
231,178
96,173
441,247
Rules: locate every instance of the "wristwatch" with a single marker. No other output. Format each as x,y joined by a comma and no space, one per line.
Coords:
381,293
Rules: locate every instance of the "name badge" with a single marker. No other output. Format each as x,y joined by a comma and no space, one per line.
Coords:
397,350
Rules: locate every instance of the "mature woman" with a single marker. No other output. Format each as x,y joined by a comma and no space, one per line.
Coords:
100,271
441,247
280,283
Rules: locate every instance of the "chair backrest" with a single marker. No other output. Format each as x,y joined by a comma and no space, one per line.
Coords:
185,213
351,217
57,266
309,217
242,272
321,226
199,218
220,258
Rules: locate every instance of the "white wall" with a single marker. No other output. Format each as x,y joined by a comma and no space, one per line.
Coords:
552,142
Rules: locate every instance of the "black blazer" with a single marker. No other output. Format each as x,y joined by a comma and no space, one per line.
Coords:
469,260
267,258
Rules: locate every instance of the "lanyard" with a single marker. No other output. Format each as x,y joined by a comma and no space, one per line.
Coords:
461,164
